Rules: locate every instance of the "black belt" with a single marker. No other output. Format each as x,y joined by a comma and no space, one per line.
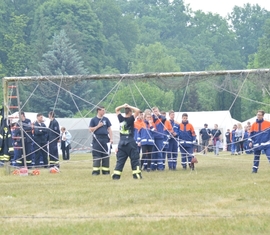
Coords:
101,135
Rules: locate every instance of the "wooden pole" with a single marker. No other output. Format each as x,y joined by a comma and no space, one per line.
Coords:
135,76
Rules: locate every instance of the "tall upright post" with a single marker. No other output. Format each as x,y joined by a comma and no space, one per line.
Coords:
21,125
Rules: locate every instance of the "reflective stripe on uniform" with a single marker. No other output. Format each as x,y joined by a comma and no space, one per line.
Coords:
186,142
117,172
96,168
137,171
4,157
105,168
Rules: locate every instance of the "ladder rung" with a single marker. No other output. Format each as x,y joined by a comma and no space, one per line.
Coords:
12,97
12,86
15,147
13,107
16,137
13,117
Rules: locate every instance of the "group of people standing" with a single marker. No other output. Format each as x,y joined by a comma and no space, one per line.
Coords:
237,139
207,135
36,145
148,132
157,138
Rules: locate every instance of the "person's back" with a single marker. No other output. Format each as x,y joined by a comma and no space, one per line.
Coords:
127,146
126,126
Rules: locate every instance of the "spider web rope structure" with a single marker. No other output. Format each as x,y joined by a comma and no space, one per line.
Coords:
180,91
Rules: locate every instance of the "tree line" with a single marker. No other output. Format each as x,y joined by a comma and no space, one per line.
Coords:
67,37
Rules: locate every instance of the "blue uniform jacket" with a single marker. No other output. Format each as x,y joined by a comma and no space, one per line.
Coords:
186,134
260,134
146,134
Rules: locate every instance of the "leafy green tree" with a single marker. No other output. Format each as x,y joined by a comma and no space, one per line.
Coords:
212,37
121,32
247,23
2,74
251,94
159,20
260,88
153,58
81,25
16,18
14,48
260,59
144,95
262,56
62,59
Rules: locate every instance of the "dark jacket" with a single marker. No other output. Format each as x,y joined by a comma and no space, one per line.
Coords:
6,147
41,133
54,131
27,128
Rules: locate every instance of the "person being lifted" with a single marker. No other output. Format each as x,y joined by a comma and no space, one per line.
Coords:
127,146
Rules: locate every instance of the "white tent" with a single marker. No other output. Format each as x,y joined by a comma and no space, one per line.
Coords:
223,119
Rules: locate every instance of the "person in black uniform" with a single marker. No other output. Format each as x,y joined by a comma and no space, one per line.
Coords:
54,136
127,146
100,126
205,134
41,139
27,133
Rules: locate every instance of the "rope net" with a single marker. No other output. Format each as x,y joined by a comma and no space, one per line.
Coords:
240,92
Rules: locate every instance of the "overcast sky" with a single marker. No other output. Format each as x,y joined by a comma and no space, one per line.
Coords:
223,7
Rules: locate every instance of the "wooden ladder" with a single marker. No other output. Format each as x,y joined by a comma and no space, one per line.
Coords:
14,95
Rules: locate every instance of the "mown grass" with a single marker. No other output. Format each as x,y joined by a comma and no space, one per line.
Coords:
220,197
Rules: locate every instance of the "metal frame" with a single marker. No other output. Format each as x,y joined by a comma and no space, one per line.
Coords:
7,80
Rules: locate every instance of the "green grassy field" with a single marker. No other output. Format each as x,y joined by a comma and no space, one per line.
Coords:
220,197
